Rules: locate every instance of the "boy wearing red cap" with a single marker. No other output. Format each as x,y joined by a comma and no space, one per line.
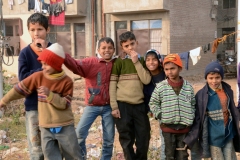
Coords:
55,91
173,103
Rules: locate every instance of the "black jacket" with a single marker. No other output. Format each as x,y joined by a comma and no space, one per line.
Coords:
201,106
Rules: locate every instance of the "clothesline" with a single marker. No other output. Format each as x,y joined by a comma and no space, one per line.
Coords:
195,53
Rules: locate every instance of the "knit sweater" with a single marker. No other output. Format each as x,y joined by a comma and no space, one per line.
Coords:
54,110
126,82
174,109
27,65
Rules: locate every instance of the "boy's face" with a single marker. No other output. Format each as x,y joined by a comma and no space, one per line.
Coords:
37,31
48,69
172,70
214,80
152,63
129,45
106,50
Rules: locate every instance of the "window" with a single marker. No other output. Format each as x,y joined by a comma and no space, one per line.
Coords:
62,35
148,34
9,30
229,44
121,25
229,4
79,33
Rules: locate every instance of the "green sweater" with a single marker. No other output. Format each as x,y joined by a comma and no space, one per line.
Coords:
126,82
173,108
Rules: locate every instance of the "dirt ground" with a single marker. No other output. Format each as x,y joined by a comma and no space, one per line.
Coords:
94,140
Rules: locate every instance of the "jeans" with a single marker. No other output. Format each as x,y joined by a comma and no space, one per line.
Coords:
174,146
88,117
224,153
133,127
66,139
33,135
196,151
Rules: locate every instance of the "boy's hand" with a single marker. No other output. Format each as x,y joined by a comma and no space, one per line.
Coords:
2,105
134,56
40,43
116,113
43,90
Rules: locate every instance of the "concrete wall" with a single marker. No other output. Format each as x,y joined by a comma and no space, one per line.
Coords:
78,8
121,6
190,27
21,11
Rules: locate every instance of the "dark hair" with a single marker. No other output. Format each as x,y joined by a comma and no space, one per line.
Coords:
105,39
126,36
157,56
38,18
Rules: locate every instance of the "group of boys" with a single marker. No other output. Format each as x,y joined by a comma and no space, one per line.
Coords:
114,91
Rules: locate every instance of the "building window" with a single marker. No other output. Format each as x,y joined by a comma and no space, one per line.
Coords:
229,4
229,44
61,35
79,33
148,34
9,30
121,25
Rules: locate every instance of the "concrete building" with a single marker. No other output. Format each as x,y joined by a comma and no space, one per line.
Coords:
168,26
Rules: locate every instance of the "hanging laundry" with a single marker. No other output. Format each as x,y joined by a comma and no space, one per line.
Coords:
185,56
20,1
10,3
206,48
45,8
57,13
68,1
195,55
31,4
215,44
37,7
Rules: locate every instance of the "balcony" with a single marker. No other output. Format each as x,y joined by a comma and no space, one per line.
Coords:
77,8
123,6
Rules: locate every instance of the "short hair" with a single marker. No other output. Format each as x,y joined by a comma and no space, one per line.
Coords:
38,18
126,36
105,39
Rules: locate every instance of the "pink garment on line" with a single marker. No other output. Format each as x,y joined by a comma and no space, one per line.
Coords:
57,20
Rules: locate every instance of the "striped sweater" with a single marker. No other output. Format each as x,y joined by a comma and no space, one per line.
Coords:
174,109
126,82
54,110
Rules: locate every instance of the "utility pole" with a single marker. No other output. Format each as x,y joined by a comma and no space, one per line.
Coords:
238,45
1,51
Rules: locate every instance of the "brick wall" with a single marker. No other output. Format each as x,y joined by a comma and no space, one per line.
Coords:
191,27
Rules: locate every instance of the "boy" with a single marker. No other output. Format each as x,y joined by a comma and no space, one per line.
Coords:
153,62
218,117
28,64
127,99
173,103
55,91
96,71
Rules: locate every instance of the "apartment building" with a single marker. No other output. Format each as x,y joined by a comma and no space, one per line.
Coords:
168,26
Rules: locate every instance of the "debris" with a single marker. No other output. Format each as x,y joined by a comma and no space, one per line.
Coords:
10,151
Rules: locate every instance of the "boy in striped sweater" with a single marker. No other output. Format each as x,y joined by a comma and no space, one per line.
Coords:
173,103
55,91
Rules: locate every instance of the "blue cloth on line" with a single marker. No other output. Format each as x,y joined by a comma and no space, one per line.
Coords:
185,56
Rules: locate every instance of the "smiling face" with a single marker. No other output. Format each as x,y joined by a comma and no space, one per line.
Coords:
172,71
106,50
152,63
214,80
37,31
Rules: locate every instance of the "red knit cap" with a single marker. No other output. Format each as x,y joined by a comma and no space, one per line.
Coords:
174,58
54,56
